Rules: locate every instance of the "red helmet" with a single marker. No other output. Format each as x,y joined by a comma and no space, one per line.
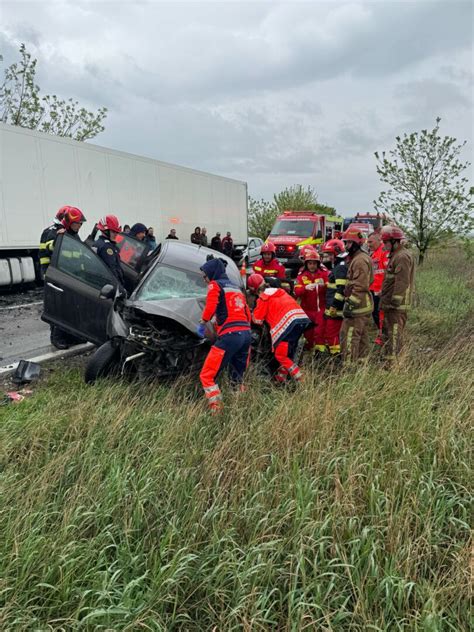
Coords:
310,254
72,215
60,214
255,281
335,246
391,232
268,247
109,222
353,234
304,250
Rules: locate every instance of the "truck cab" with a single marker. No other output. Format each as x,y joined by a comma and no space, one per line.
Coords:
373,222
294,229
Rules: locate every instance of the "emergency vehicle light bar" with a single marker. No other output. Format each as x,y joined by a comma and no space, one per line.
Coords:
304,212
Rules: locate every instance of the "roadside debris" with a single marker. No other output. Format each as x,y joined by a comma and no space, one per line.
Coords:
26,372
14,397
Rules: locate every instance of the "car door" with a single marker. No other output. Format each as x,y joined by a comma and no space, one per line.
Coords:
134,255
251,251
256,250
72,288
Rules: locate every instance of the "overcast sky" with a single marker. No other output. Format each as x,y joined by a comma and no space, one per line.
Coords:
267,92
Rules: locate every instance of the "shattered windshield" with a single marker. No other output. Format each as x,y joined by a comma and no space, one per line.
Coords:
166,282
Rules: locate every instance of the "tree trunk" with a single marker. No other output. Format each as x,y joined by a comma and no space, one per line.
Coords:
421,257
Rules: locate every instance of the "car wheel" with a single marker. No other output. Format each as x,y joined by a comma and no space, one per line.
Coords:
102,363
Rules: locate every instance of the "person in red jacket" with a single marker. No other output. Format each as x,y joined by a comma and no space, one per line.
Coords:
380,262
310,287
227,305
286,320
334,255
268,265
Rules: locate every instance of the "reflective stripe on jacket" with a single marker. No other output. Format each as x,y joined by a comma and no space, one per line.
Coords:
47,239
398,285
335,289
312,300
279,310
360,276
273,269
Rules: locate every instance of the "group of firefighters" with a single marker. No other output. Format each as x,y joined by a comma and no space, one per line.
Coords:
337,293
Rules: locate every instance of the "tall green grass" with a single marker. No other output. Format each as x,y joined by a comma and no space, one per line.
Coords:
343,505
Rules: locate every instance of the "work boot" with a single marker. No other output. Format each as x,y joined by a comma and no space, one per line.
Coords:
281,376
215,408
60,344
58,339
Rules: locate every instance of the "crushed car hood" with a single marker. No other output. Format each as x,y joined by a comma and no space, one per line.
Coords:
185,311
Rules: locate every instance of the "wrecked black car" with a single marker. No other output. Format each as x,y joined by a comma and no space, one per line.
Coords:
150,329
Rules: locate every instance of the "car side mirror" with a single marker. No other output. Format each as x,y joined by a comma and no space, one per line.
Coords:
108,291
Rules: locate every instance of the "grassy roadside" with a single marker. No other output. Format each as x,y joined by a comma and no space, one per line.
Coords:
341,506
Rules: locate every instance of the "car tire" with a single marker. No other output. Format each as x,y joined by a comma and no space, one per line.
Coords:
102,362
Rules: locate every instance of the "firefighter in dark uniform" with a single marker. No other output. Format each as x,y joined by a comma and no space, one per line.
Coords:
106,247
72,221
47,239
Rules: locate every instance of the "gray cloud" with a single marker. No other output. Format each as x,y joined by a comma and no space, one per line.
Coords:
273,93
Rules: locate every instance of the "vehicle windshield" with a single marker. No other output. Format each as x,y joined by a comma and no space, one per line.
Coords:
166,282
293,228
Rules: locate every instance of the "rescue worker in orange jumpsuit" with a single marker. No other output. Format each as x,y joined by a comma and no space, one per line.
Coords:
226,303
334,255
397,290
379,260
287,322
268,265
358,304
310,287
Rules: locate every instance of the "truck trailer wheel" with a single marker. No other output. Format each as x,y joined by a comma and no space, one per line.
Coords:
102,362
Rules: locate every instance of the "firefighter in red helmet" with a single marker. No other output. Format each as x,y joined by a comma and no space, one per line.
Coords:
268,265
358,304
106,247
72,220
397,290
334,255
310,288
287,322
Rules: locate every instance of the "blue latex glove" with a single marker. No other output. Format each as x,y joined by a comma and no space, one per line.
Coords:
201,330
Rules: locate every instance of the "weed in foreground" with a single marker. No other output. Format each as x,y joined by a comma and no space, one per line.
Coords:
341,505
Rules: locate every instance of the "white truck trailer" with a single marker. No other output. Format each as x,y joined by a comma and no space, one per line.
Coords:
39,173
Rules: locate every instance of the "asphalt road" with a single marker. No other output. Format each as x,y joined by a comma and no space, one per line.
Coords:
23,334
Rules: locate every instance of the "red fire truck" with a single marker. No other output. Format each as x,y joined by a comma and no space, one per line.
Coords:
294,229
367,222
